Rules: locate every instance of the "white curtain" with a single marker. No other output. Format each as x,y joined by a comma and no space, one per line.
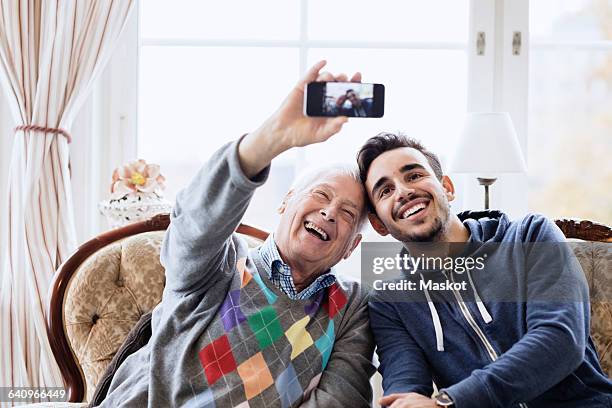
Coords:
50,52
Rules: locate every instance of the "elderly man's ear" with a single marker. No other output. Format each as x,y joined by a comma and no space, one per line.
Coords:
354,244
283,205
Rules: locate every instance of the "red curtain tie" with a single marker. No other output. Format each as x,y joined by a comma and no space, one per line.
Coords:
46,130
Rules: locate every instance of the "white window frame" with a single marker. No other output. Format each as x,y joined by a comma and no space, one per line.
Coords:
497,81
303,44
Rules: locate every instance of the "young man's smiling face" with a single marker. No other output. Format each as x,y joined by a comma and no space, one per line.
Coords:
411,203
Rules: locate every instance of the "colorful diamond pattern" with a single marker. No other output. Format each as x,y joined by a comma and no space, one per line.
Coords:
325,344
336,300
312,308
270,296
288,386
266,326
230,312
255,375
299,337
205,399
246,278
245,275
217,359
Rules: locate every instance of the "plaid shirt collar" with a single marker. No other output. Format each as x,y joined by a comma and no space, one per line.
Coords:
280,273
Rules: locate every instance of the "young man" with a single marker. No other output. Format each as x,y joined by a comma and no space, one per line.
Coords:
535,353
269,327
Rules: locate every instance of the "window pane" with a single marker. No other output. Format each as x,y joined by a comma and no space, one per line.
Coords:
261,19
191,104
570,123
389,20
570,20
425,98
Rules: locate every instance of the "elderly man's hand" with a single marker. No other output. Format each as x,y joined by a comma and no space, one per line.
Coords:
290,123
409,400
288,127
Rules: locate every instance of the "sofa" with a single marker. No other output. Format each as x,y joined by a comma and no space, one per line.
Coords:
103,291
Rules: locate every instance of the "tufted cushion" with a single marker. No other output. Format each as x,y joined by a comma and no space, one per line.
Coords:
596,261
106,297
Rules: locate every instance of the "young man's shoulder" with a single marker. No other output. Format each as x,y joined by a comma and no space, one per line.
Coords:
535,227
497,226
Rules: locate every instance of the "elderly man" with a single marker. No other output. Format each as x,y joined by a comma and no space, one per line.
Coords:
269,327
527,345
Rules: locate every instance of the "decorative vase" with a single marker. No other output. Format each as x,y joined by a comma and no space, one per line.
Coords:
133,207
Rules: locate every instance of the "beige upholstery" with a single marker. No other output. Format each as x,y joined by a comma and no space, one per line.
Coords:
596,261
107,296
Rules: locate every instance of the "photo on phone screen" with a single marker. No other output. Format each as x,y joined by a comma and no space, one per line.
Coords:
350,99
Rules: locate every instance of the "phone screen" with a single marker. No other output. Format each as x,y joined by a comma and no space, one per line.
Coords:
350,99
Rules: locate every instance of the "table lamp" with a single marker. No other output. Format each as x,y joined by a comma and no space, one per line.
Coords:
488,146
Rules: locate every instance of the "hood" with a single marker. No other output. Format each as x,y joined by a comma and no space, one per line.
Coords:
486,225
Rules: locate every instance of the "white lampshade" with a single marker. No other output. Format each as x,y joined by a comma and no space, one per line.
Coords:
488,145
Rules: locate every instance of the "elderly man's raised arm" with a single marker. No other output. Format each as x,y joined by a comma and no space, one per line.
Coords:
204,217
208,211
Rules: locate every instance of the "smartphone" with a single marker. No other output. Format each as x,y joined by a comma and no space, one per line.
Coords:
352,99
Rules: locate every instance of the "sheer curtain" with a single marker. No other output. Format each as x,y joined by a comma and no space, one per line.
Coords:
50,52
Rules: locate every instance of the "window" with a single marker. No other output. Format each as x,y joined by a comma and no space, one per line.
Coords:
212,72
570,109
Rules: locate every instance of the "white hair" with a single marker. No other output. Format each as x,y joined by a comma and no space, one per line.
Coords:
311,175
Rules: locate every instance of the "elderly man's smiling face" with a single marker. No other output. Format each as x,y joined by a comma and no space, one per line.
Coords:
320,222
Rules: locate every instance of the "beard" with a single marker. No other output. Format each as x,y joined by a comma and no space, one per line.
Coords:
434,233
431,234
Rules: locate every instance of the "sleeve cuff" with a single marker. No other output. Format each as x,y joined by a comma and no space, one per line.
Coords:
468,393
238,178
403,389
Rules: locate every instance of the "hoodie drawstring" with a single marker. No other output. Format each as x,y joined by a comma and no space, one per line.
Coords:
481,307
435,319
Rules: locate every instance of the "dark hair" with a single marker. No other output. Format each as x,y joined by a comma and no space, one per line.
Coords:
383,142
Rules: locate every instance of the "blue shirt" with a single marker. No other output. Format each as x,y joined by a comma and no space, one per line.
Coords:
280,273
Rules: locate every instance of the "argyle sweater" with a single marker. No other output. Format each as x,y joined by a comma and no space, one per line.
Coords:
224,335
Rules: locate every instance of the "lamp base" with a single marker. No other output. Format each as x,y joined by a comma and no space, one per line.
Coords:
486,182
